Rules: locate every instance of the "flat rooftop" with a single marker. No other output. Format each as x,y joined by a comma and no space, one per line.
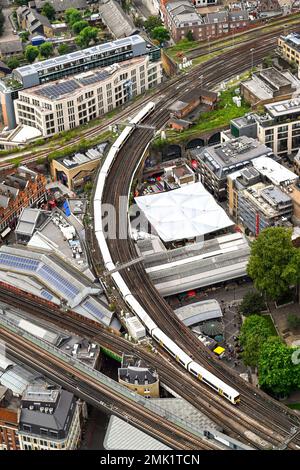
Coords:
232,155
283,108
293,39
84,54
274,171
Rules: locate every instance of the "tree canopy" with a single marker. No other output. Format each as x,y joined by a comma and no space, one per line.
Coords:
254,332
72,15
86,36
79,26
276,371
152,22
13,63
63,48
46,49
252,303
31,53
160,33
49,11
274,263
2,19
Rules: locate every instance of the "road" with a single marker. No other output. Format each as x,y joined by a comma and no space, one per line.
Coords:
8,34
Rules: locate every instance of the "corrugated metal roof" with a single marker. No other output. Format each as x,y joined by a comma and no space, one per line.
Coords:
123,436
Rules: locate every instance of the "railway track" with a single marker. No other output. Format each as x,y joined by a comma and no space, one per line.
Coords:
162,89
178,379
267,416
99,394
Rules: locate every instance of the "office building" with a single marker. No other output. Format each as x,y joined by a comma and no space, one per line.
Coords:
56,68
49,420
71,102
215,163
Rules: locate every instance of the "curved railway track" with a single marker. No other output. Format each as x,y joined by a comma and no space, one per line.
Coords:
163,88
170,373
257,408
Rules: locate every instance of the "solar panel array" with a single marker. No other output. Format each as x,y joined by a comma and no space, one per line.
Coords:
93,309
48,274
19,262
46,294
59,89
58,281
93,78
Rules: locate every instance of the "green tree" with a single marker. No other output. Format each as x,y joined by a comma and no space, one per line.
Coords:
13,63
138,22
24,35
160,33
72,15
79,26
21,2
46,49
63,48
31,53
2,19
268,61
252,303
152,22
276,371
49,11
274,263
86,36
189,35
254,332
293,321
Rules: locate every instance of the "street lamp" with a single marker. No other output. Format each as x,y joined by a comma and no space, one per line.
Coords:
208,44
252,53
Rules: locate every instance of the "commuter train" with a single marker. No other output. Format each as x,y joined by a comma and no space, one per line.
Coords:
184,359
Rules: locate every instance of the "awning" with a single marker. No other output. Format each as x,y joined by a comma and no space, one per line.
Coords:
5,232
219,350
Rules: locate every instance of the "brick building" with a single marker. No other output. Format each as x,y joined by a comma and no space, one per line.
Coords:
9,419
22,188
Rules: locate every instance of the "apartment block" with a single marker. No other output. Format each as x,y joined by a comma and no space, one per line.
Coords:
279,127
9,420
71,102
215,163
182,18
22,188
50,419
77,62
289,47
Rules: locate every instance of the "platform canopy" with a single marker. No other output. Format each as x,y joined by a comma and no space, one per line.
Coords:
187,212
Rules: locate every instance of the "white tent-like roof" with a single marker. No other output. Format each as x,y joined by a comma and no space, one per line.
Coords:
187,212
